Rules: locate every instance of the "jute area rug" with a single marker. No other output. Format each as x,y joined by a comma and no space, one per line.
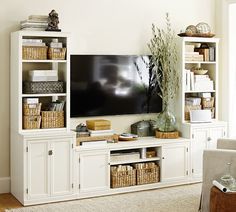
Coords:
173,199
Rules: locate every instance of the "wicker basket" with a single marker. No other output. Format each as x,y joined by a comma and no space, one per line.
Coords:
43,87
208,102
56,53
34,52
148,174
32,109
32,122
188,108
123,178
52,119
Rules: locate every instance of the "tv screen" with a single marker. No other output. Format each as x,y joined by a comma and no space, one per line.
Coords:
111,85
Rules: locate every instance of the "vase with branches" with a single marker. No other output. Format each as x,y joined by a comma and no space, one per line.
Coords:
164,64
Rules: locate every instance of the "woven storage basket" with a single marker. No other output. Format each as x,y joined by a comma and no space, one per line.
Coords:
32,109
188,108
32,122
34,52
208,102
57,53
148,175
123,178
52,119
43,87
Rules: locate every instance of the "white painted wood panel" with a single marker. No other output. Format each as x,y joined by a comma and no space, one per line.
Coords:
38,170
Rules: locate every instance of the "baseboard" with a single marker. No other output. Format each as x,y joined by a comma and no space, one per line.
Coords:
4,185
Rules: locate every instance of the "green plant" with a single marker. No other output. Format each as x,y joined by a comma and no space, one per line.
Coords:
164,61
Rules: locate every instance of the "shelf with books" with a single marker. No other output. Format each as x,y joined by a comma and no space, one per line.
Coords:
199,71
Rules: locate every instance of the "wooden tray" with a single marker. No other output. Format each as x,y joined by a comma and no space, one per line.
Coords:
208,35
166,135
126,139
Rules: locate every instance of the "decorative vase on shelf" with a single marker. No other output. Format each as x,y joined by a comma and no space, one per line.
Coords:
166,121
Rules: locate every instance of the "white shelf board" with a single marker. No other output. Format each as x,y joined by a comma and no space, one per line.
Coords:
200,62
44,61
201,91
29,131
44,95
135,161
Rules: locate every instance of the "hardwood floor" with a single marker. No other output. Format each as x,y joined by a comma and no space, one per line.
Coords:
8,201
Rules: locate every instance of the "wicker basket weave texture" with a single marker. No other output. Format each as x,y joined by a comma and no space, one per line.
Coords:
52,119
43,87
123,178
208,102
32,122
32,109
57,53
34,52
148,175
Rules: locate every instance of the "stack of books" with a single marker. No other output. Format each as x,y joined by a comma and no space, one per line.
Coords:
191,55
101,132
33,42
35,23
203,82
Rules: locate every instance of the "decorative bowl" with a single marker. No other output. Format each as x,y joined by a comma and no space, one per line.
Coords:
200,71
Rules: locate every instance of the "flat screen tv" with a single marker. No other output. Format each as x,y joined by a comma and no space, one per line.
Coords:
111,85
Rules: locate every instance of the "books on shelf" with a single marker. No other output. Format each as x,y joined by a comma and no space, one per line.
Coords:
101,132
33,42
195,82
43,75
192,101
35,23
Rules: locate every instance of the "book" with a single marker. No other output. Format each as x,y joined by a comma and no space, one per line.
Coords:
34,21
34,24
212,53
33,29
27,40
204,85
34,44
192,81
187,86
38,17
31,100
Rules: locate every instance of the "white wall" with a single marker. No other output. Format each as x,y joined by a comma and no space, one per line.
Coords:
97,26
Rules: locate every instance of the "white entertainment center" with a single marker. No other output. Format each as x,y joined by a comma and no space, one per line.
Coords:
48,166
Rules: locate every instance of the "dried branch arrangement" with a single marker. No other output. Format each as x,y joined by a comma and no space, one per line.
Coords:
164,61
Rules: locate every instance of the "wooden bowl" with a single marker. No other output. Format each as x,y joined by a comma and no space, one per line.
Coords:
200,72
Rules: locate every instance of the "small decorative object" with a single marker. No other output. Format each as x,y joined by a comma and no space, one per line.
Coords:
53,21
144,128
203,28
191,29
167,135
228,180
127,137
199,71
164,60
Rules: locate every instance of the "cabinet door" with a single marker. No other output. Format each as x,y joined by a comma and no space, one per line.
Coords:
94,171
214,134
38,169
174,162
61,166
198,144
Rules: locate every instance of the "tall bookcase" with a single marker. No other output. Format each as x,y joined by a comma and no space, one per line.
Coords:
202,135
42,158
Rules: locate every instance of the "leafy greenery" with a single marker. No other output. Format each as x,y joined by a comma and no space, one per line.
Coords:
164,61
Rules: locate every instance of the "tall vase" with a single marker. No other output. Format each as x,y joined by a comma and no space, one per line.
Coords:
166,121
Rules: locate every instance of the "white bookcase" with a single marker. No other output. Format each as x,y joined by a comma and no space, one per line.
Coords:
202,135
188,64
41,159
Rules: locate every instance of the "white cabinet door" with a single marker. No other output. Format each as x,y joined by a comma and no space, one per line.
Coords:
174,162
61,167
214,134
94,171
38,170
198,144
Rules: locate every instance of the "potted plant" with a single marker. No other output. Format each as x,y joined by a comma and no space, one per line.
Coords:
164,62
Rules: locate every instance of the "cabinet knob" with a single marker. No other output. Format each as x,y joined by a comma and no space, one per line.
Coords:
50,152
163,157
209,139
